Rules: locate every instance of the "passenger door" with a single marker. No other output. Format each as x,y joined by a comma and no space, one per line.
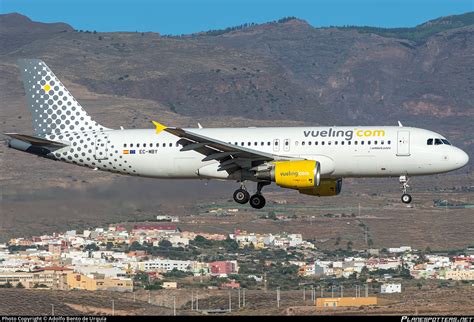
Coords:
403,143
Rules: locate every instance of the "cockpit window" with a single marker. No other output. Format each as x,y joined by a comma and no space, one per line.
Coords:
438,142
445,141
429,142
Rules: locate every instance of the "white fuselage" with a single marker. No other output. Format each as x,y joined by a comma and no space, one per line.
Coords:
341,151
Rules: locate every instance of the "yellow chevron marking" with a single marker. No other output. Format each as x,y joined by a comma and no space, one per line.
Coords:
159,127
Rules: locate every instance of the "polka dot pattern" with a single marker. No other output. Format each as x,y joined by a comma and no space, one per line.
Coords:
59,117
53,108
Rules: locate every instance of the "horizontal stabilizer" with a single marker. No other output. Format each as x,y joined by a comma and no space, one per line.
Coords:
33,140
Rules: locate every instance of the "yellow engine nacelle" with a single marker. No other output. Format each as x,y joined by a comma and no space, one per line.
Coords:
326,188
299,174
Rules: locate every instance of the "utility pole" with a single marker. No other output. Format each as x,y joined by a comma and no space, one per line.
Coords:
304,294
149,297
342,291
192,300
197,301
244,298
113,308
239,296
52,309
134,296
359,209
265,281
230,302
174,305
332,291
278,297
366,290
366,236
312,292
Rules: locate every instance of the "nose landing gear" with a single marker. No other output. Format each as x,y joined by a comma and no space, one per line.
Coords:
406,198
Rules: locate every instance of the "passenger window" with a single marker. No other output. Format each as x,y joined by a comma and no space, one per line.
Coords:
157,145
438,142
303,143
309,142
355,142
375,142
242,143
388,142
249,143
348,142
276,142
342,142
329,142
368,142
381,142
131,145
138,145
286,142
125,145
171,144
315,142
429,142
361,142
335,142
262,143
255,143
164,145
322,142
269,143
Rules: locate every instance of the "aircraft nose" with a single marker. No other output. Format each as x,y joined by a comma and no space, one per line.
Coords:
460,158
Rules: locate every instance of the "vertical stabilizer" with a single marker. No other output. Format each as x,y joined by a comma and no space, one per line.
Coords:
54,110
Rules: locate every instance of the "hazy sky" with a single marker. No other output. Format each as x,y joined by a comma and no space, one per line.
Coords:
188,16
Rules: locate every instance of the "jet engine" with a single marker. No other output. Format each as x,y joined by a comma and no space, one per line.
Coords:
298,174
326,188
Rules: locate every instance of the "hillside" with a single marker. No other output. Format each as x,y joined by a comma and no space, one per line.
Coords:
278,73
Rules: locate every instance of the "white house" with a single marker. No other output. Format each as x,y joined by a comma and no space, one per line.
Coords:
391,288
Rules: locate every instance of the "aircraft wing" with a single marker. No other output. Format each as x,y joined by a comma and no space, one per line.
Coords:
231,157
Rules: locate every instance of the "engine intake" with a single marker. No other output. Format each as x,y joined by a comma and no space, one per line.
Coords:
299,174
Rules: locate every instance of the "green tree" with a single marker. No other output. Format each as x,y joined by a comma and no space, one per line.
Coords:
8,285
19,285
165,243
92,247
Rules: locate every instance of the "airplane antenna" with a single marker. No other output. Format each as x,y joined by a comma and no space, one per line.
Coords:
199,125
400,124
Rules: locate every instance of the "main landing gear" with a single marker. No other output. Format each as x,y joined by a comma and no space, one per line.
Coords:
406,198
257,201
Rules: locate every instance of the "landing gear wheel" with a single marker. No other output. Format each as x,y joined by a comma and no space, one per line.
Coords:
257,201
241,196
406,198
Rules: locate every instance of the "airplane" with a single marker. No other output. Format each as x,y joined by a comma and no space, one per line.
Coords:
311,160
